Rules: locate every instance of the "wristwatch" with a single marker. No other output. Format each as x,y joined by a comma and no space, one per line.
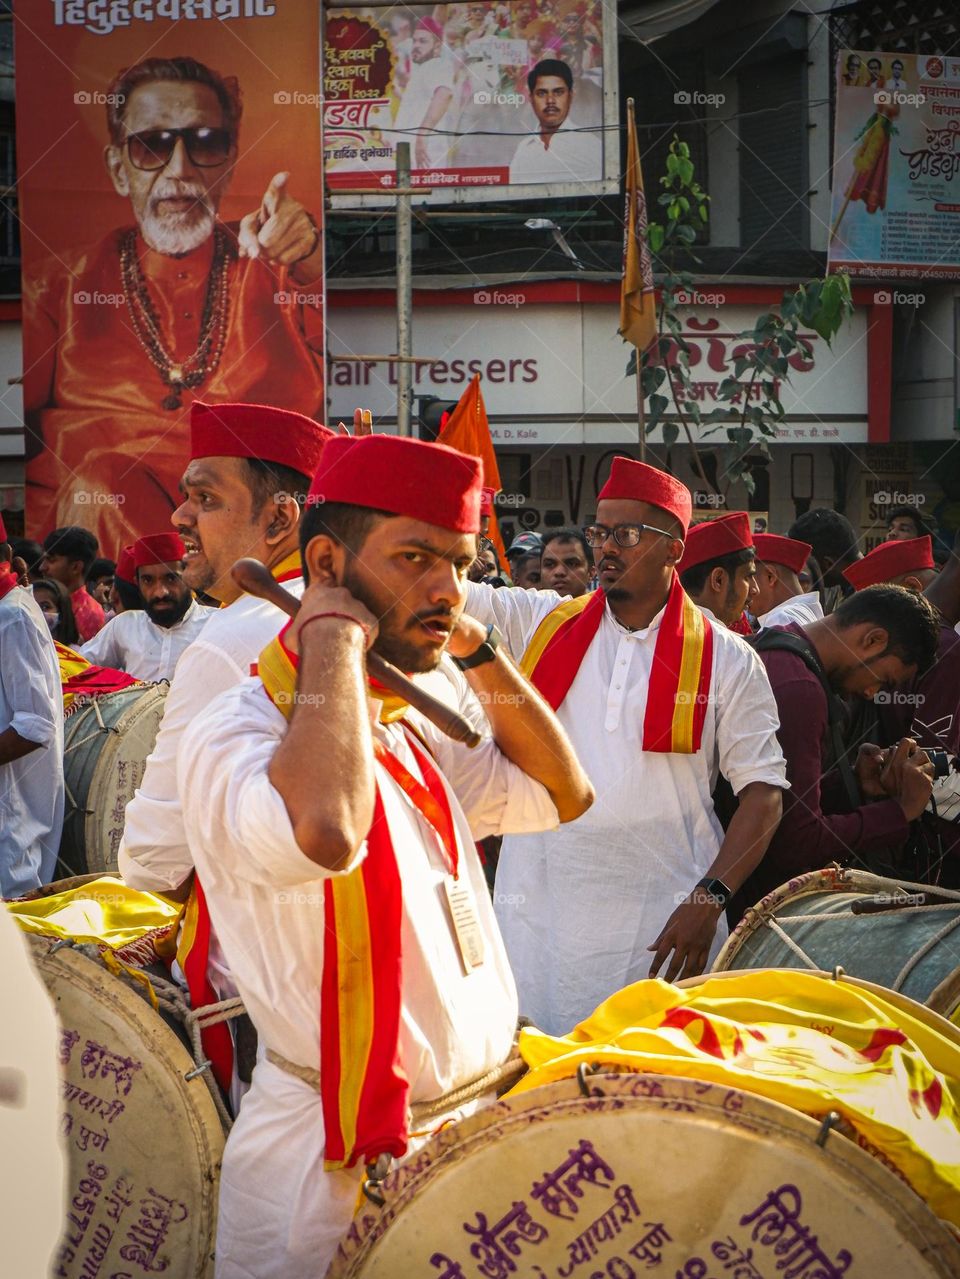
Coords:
717,889
486,652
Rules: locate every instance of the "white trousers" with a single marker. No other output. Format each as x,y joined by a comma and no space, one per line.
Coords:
281,1215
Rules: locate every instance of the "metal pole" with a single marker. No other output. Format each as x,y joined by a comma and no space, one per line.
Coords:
404,290
641,424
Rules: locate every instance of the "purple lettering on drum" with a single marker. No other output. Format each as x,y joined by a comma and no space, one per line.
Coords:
560,1189
499,1243
777,1225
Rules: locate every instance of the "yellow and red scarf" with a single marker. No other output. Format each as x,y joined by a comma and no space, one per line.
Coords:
80,678
679,680
193,949
363,1089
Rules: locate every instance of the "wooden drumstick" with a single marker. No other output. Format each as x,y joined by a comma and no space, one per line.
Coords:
255,579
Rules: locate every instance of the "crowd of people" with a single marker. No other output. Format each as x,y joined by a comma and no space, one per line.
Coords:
673,719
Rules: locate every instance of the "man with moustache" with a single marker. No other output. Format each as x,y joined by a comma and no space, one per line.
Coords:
556,152
243,490
566,563
172,306
333,830
656,698
148,642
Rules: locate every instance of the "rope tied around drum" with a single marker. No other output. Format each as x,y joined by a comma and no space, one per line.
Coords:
166,996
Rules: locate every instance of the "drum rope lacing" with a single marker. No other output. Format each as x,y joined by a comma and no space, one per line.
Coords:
167,995
897,984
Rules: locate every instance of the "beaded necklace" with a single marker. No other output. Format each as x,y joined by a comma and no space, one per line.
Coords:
198,366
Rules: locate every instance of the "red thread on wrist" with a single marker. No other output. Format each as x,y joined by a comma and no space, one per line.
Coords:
346,617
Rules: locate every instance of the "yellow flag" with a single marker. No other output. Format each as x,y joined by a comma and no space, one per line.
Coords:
638,309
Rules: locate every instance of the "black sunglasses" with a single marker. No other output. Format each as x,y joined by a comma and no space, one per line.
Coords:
152,149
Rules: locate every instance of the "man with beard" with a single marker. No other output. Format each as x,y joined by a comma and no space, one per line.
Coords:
243,492
718,570
122,336
870,644
426,100
656,699
335,839
148,642
556,152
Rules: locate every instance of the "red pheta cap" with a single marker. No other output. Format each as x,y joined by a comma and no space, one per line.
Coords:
258,431
773,549
155,548
890,560
637,482
713,538
428,482
431,25
486,501
126,570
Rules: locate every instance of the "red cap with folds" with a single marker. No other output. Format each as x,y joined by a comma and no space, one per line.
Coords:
431,25
126,570
773,549
637,482
155,548
428,482
486,501
714,538
258,431
890,560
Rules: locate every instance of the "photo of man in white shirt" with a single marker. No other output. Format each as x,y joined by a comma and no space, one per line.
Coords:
557,152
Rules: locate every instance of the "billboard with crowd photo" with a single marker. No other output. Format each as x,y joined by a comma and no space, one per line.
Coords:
171,198
497,99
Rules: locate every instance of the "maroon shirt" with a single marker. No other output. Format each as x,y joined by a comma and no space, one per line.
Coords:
817,826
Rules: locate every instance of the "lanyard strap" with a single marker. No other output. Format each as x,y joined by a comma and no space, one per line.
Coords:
430,800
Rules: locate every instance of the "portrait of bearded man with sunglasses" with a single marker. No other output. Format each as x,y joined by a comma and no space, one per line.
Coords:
171,306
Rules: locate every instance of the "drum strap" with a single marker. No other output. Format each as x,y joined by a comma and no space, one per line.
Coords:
500,1079
836,713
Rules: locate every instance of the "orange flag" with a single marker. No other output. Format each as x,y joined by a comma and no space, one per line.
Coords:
468,430
638,308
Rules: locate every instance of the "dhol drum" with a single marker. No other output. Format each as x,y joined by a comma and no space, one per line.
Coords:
610,1176
900,935
143,1135
105,749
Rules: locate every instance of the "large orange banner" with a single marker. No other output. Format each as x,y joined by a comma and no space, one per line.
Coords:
171,193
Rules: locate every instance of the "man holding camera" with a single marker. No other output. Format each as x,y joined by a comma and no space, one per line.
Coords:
873,642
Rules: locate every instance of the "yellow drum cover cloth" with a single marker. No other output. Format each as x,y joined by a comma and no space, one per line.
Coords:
139,927
803,1040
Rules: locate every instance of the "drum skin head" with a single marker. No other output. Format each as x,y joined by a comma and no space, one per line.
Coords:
143,1143
643,1173
106,744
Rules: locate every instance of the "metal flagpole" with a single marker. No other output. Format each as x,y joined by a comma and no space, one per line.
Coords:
404,289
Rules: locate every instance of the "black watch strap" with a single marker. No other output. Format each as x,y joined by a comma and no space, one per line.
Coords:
486,652
716,888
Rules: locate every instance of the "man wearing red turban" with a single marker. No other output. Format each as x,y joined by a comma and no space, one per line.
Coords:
335,842
718,569
781,598
148,642
656,699
245,485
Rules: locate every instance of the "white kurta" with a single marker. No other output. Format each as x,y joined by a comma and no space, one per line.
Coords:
134,643
154,856
579,907
31,788
802,609
572,156
281,1215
